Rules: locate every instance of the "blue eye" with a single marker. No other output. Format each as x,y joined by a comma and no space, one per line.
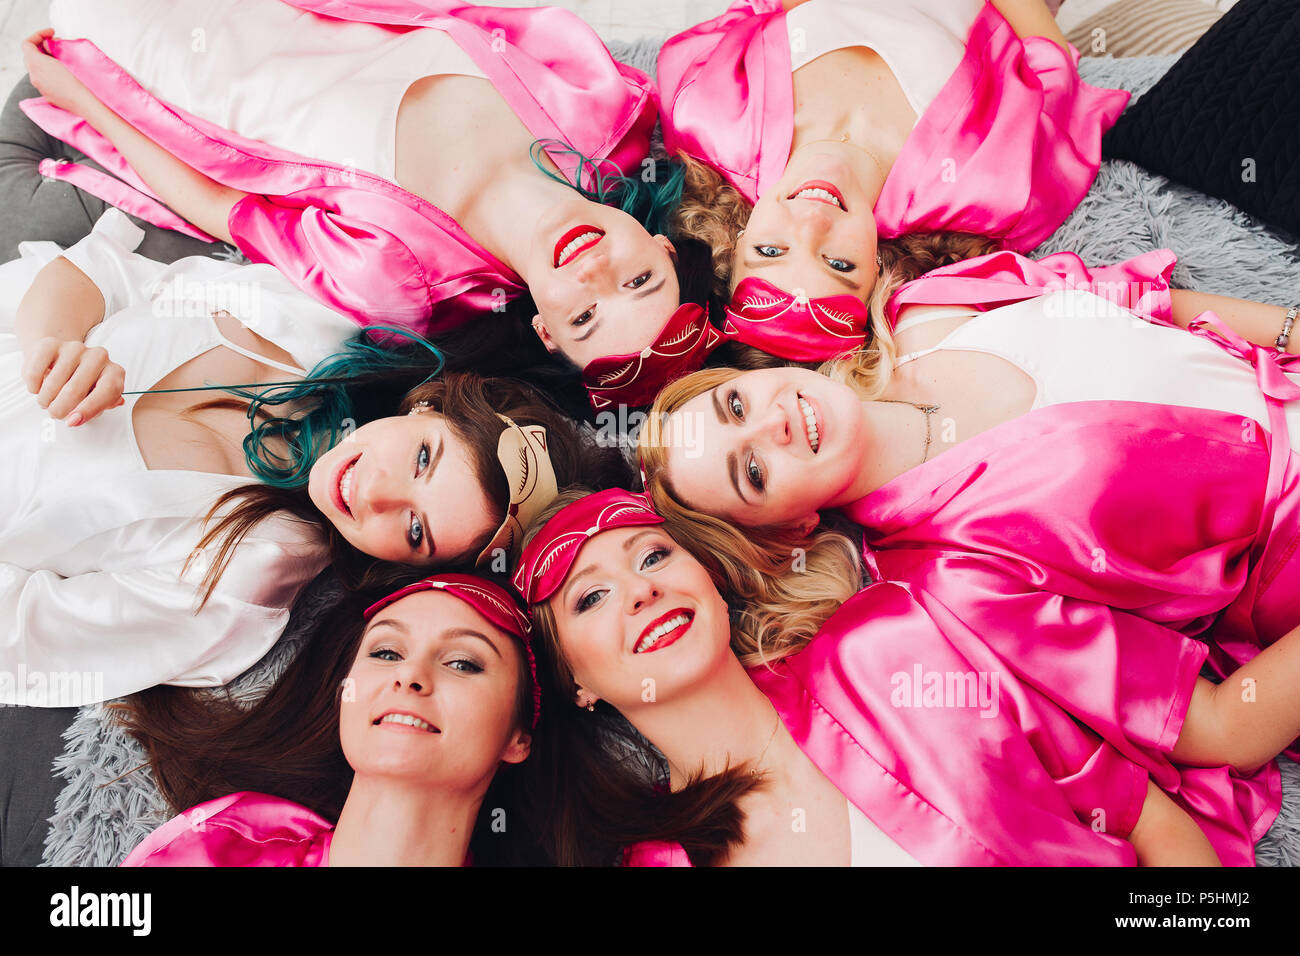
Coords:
588,600
415,532
655,557
422,458
386,654
736,406
470,667
769,252
840,265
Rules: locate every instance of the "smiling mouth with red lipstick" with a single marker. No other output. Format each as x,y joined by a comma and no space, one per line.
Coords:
343,489
664,631
818,190
574,243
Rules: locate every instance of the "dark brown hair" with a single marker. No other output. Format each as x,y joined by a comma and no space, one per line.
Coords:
470,403
207,743
596,781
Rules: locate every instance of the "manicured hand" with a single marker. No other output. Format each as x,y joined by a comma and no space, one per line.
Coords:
71,380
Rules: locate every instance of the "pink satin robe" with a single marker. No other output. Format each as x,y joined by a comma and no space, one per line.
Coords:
958,785
1140,284
1089,544
359,243
1007,149
242,829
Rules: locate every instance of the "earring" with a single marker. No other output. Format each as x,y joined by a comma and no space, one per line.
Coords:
418,407
878,265
591,707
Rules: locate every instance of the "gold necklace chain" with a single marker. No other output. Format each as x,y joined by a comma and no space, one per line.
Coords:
929,411
759,764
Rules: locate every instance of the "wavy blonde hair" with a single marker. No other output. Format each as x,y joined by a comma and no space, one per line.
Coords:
714,212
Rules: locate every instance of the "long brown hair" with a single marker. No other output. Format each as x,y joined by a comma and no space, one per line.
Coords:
207,743
470,403
598,784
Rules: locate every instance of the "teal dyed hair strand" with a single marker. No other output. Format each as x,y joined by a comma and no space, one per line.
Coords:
649,201
326,390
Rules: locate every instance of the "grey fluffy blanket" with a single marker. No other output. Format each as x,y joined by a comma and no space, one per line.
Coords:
109,802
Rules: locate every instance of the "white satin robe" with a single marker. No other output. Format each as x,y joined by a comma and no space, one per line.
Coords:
92,601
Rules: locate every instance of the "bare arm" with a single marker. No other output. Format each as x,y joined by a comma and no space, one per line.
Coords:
1253,321
71,381
1248,719
1031,18
194,196
62,303
1165,835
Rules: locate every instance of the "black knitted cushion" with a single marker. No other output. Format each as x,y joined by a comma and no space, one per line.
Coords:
1225,119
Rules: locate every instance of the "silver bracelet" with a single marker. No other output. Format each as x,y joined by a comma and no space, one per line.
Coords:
1284,339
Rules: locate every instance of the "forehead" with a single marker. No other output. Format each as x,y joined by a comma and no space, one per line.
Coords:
430,614
605,550
601,549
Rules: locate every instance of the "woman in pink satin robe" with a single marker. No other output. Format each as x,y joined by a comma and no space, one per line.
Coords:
381,219
833,123
1056,474
399,723
931,773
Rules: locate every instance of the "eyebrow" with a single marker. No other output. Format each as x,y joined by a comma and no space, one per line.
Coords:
717,405
731,455
470,632
731,473
628,545
400,626
424,517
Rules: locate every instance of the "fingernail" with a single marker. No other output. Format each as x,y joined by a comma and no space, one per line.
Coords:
75,419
